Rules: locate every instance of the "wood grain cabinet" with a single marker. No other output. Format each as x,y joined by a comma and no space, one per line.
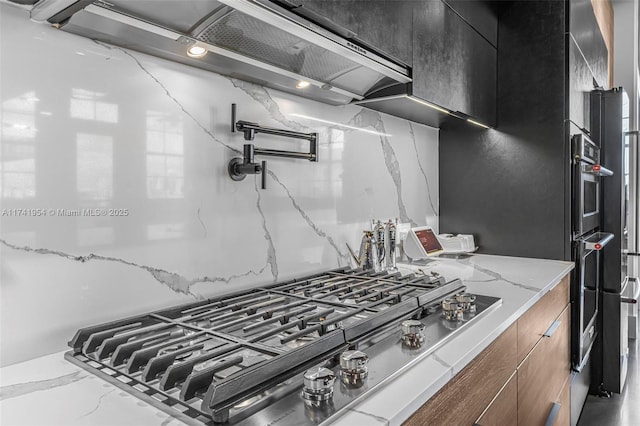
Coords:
464,398
504,407
542,375
521,378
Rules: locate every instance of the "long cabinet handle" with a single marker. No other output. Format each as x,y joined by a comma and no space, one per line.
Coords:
552,329
555,409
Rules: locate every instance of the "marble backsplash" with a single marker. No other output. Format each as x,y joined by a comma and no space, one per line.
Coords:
116,198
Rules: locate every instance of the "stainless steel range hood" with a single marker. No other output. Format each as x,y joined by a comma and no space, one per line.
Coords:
252,40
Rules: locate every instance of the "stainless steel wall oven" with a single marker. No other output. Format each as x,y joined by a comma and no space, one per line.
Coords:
587,173
586,297
587,243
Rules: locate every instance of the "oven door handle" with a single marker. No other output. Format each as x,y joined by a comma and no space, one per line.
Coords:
597,170
597,241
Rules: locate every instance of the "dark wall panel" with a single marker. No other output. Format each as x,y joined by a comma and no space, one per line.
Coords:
510,186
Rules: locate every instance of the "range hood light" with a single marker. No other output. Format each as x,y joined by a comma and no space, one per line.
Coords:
302,84
196,51
478,124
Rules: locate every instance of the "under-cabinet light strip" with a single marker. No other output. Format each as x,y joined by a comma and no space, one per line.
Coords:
346,126
477,123
430,105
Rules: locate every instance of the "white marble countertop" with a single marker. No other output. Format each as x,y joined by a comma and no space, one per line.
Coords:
51,391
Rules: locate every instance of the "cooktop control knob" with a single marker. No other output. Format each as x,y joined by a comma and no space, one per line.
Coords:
452,310
412,335
318,385
467,302
353,368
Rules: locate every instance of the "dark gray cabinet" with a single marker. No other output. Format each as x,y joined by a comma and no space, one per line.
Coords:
585,32
511,187
481,15
580,87
450,45
454,66
382,24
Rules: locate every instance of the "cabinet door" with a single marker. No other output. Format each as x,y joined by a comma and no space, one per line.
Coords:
453,65
534,322
580,87
542,375
564,400
467,395
384,25
586,32
481,15
504,408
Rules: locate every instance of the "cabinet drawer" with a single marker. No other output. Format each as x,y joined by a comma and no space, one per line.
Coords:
504,408
564,399
543,373
464,398
533,324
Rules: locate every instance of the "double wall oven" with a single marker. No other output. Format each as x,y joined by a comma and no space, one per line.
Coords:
588,242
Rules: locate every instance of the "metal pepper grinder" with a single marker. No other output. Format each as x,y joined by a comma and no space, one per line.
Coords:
390,244
368,253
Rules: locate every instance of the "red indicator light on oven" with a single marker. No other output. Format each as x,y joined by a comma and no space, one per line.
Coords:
596,168
597,246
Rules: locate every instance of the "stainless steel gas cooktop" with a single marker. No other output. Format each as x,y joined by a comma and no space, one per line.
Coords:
298,352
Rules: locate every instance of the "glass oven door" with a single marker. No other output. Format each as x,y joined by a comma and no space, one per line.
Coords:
585,294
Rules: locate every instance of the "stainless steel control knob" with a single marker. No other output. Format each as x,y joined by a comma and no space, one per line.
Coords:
318,385
465,298
452,310
353,368
412,333
467,302
353,360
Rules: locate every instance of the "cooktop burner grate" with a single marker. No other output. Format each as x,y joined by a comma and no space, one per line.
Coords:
211,359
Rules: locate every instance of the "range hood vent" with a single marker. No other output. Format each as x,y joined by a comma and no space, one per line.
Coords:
253,40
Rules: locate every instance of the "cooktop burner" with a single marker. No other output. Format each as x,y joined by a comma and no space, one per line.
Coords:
299,351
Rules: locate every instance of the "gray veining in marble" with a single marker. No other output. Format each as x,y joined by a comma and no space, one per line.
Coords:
14,391
342,257
272,260
170,96
426,179
98,404
369,118
497,277
262,96
378,419
204,228
174,281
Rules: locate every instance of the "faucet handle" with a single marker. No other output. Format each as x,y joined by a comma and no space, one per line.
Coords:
264,175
